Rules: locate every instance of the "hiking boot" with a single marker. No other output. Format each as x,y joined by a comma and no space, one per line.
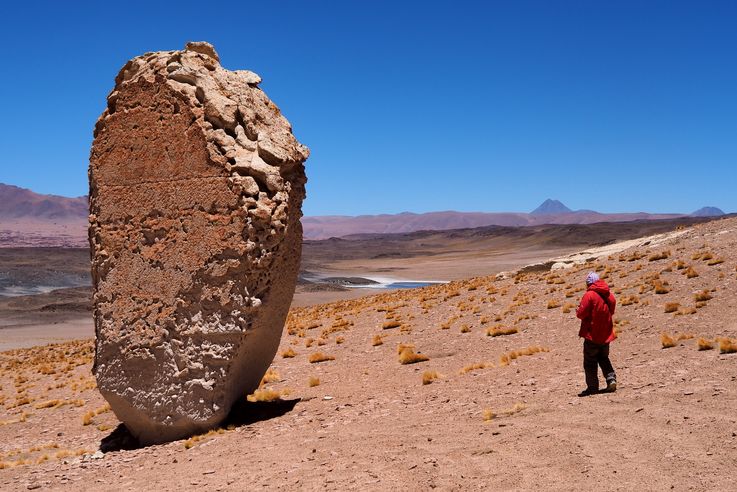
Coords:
588,392
611,387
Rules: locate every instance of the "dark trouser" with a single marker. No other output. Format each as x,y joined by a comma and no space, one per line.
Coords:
594,355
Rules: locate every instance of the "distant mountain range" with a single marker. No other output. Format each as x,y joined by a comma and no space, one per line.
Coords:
20,203
22,210
549,212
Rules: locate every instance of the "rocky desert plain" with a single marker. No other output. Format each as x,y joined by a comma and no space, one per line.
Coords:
470,384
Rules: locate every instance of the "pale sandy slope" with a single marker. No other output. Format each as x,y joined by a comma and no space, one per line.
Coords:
672,425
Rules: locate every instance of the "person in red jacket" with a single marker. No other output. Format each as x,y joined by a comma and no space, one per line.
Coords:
597,330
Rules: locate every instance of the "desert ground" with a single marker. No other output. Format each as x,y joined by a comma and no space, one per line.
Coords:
470,384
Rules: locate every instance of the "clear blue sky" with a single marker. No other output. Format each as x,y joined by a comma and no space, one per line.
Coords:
415,106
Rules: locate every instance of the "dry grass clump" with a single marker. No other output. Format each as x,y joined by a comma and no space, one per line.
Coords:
660,256
552,304
667,341
671,307
704,344
661,287
429,376
407,355
715,261
476,366
465,328
703,296
195,439
727,346
497,331
687,310
288,353
490,415
627,300
320,357
377,340
313,381
391,324
505,359
567,307
266,394
690,272
271,376
87,417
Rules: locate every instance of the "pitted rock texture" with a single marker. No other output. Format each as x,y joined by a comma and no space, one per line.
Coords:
196,187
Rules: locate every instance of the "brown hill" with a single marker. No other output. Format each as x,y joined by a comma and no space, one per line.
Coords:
484,399
20,203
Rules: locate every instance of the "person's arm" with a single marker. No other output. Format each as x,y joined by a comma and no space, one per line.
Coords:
612,303
584,309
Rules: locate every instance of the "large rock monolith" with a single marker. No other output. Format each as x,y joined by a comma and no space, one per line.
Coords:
196,188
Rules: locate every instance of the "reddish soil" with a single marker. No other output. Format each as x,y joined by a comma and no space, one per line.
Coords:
372,424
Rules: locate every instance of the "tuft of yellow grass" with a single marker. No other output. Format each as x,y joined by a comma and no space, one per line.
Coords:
727,346
627,300
660,287
377,340
391,324
288,353
271,376
465,329
667,341
704,344
477,365
691,272
48,404
88,416
265,394
671,307
660,256
497,331
429,376
195,439
552,304
320,357
313,381
702,296
407,355
488,414
505,359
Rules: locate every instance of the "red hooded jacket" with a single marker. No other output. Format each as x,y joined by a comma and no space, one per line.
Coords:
595,312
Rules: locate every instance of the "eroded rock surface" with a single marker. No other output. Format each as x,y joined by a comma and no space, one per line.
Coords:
196,187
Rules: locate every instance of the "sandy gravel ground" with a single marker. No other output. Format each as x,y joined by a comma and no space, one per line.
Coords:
513,422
